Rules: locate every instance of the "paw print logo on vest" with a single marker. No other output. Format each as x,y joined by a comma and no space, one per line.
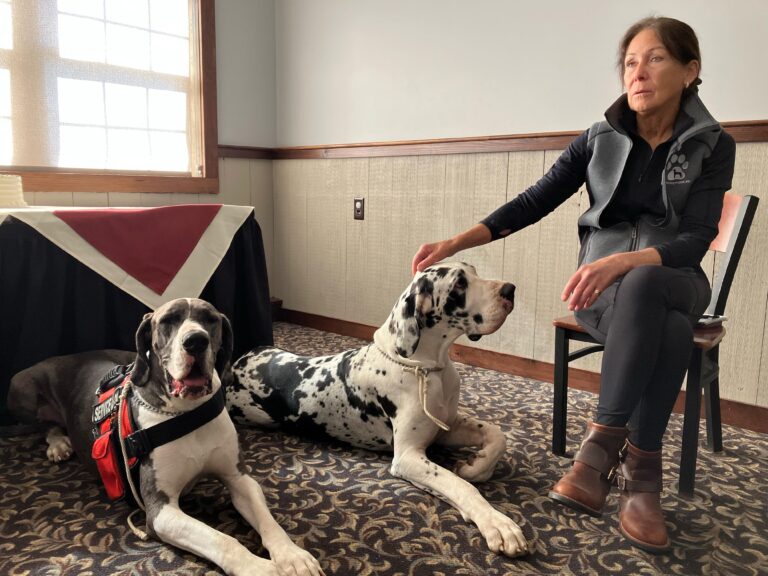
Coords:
676,168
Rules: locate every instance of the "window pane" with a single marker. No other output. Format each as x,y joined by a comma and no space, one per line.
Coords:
167,110
126,106
171,16
131,12
128,149
92,8
6,141
169,151
82,147
127,47
5,92
6,27
170,55
81,38
81,87
81,102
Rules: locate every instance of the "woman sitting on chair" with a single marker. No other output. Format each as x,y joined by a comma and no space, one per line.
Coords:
656,170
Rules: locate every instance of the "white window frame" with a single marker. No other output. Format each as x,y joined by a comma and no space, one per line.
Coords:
37,179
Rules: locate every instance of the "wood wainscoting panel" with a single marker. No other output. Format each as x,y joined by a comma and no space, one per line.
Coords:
558,255
379,276
326,239
363,247
745,349
234,182
292,181
263,202
488,193
521,261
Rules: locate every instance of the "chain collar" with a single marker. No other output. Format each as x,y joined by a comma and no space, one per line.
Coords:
422,376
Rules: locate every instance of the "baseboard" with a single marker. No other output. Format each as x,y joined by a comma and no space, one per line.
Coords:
734,413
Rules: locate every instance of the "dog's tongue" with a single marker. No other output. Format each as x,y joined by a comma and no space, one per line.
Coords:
194,384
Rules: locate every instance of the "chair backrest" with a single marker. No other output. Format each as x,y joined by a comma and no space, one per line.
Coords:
733,228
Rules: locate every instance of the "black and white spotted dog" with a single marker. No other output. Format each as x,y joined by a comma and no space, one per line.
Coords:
184,352
399,393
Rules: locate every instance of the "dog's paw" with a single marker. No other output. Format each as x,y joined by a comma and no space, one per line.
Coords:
291,559
59,448
478,467
503,536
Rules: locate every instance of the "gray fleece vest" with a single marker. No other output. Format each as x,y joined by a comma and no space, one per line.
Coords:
610,150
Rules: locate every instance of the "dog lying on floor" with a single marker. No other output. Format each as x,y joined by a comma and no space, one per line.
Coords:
399,393
183,353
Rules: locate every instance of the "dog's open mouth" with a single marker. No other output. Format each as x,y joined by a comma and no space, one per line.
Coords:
194,385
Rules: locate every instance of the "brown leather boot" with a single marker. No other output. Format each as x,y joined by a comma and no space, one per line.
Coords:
640,517
586,485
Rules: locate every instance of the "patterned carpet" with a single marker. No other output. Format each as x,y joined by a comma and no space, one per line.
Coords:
342,505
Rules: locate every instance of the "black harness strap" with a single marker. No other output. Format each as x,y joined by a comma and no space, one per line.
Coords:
143,441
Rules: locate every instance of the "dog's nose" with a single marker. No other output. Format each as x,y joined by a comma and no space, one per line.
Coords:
508,292
195,342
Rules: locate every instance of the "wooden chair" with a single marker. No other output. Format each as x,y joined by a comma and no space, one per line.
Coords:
703,370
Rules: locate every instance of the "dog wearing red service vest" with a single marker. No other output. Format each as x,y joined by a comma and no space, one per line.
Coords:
184,350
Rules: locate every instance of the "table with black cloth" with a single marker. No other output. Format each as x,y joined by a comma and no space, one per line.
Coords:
52,304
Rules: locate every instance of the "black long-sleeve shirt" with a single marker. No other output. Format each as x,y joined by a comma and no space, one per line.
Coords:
638,192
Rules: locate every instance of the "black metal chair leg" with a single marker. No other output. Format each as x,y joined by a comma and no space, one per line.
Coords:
690,442
560,404
712,407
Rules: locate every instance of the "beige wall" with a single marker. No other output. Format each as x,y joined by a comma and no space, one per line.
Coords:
335,266
391,70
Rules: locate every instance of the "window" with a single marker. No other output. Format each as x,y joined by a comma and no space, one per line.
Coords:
108,95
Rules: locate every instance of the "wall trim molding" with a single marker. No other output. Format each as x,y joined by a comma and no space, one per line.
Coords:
733,413
251,152
742,131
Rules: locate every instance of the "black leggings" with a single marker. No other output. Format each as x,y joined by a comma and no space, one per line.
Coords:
648,341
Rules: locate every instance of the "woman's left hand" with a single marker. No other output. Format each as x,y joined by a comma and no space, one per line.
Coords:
586,284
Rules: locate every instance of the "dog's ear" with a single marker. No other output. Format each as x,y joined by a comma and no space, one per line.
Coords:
409,318
140,374
224,355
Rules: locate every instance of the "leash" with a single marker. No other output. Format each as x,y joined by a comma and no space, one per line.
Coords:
422,376
141,534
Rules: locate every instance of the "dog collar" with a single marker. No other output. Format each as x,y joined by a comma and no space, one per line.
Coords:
422,376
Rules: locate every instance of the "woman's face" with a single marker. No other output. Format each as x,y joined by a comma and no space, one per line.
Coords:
653,79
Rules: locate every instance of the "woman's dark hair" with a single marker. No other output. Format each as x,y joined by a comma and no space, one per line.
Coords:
677,37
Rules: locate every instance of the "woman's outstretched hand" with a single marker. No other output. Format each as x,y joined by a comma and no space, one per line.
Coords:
428,254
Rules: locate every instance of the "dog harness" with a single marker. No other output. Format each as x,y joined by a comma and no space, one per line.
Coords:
106,446
119,445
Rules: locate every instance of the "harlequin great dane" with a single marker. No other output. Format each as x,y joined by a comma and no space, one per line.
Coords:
399,393
183,353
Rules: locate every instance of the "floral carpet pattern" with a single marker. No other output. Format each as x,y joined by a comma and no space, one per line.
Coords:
342,505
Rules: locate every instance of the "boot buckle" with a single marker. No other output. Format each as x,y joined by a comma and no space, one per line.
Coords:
612,473
621,482
623,451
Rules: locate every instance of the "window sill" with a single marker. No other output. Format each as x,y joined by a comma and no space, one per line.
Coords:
83,182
